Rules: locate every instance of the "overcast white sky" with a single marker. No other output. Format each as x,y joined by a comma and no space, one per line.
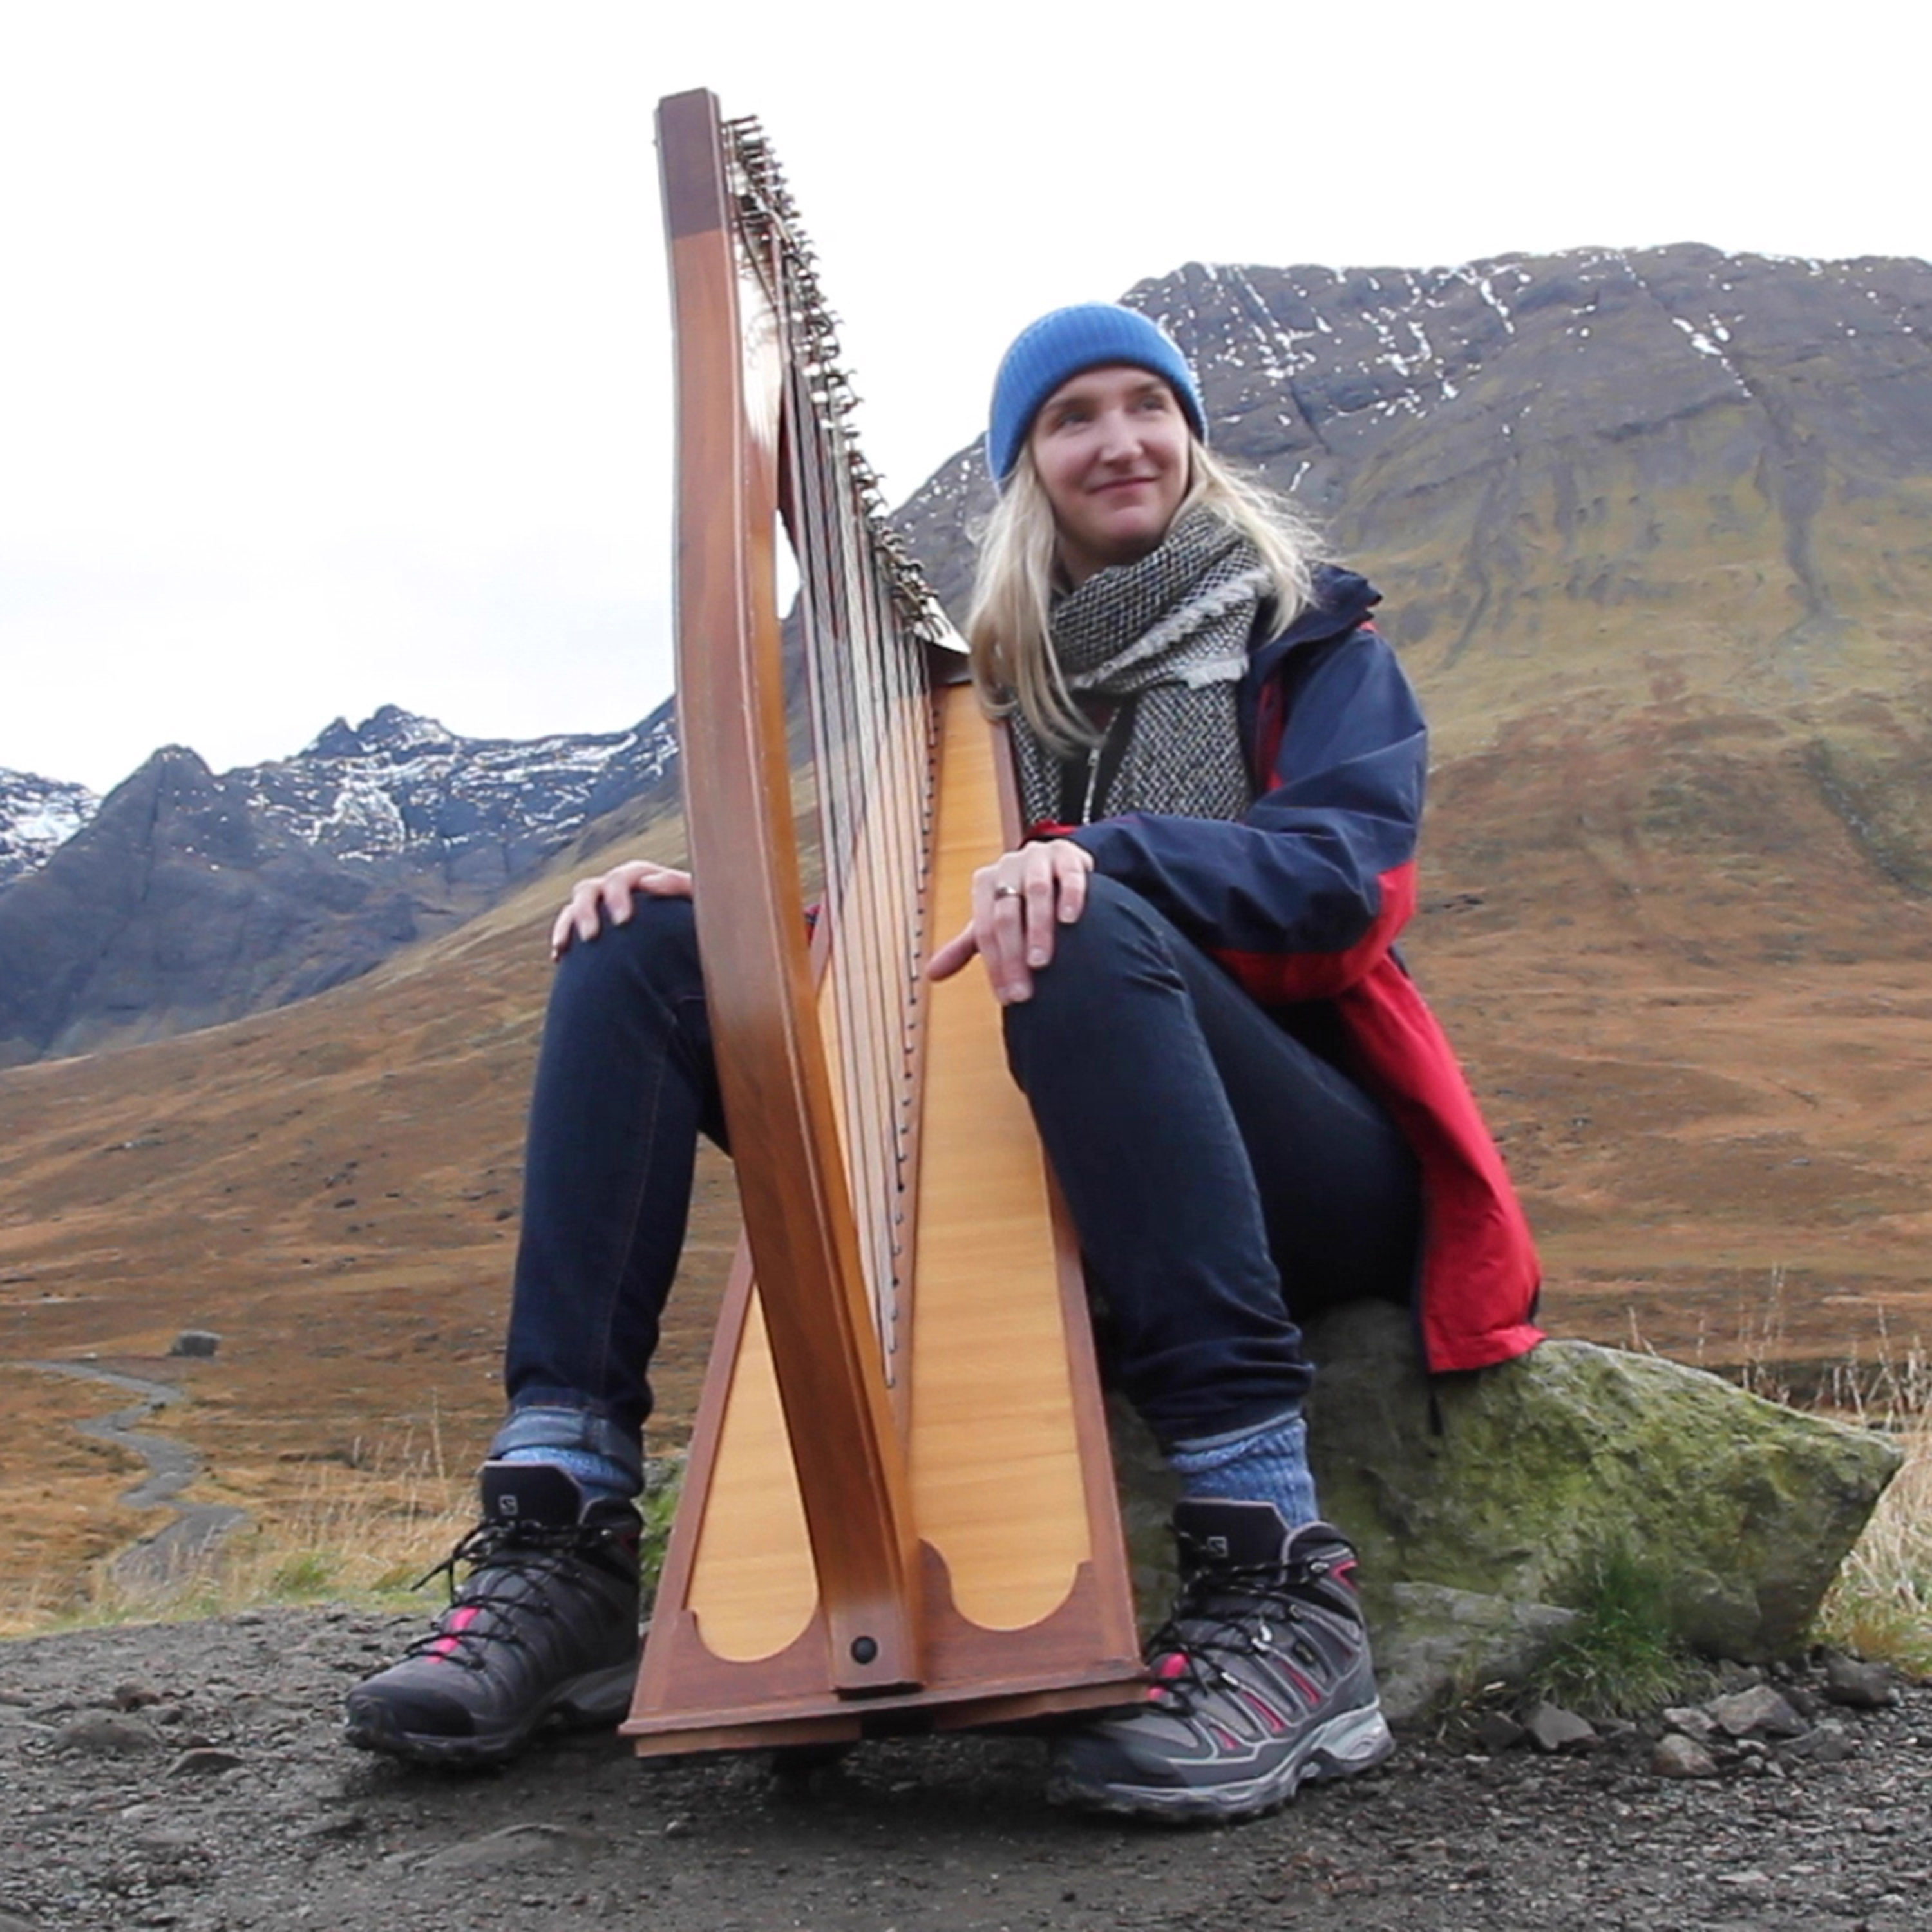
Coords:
334,361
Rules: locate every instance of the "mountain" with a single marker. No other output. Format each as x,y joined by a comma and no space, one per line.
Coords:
1585,479
38,816
401,791
1652,527
186,899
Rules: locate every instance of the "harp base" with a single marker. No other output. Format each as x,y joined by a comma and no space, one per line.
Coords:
984,1707
1077,1659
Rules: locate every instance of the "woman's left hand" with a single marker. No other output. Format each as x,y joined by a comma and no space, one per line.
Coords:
1017,902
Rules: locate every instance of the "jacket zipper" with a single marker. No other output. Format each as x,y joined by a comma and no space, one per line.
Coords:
1092,785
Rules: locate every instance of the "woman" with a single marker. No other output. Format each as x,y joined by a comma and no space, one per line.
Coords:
1249,1110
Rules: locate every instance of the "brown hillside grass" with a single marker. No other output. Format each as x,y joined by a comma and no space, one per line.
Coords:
333,1189
1695,1006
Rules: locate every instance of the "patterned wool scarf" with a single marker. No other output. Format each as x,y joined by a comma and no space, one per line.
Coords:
1160,647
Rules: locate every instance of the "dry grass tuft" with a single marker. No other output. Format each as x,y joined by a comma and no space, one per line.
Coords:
1881,1605
363,1534
368,1531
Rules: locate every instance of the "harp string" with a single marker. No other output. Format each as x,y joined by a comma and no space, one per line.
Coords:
867,623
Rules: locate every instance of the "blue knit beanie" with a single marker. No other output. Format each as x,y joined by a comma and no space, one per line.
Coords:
1088,336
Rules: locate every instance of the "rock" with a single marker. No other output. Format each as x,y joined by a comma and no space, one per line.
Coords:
1551,1728
1858,1685
1546,1465
1497,1731
1807,1703
1828,1744
167,1841
8,1923
269,883
1679,1757
105,1734
205,1760
201,1342
1149,1490
349,1825
1759,1712
515,1847
135,1696
1693,1722
1436,1642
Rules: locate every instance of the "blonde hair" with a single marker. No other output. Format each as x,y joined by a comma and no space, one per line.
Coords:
1009,626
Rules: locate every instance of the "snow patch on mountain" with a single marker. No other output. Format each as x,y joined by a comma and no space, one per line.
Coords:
396,788
38,816
399,784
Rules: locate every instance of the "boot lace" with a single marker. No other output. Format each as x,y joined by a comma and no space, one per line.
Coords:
1227,1610
511,1565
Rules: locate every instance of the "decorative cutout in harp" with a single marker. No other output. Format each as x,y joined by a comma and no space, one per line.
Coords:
899,1498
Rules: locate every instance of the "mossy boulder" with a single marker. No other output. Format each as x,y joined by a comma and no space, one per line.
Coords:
1482,1519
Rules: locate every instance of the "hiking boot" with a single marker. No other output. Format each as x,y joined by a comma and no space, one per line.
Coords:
1261,1679
544,1626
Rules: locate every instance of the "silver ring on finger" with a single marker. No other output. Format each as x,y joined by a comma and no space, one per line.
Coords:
1007,893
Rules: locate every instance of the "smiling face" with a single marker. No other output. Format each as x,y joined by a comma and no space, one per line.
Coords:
1111,447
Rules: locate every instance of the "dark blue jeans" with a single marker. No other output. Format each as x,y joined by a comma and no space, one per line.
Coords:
1223,1177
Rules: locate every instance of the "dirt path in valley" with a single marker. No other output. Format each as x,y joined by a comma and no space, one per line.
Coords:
180,1546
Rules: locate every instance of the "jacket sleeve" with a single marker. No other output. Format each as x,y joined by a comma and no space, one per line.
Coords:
1307,892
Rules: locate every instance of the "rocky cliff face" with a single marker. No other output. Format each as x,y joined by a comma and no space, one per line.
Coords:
187,898
400,793
38,816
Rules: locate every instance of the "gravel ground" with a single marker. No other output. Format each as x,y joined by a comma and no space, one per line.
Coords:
193,1776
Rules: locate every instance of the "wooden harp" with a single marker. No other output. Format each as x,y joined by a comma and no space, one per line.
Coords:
899,1508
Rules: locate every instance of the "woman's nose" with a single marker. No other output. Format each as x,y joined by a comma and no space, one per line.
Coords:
1119,437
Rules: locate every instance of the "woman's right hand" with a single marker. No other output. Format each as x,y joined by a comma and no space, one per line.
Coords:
593,900
1017,903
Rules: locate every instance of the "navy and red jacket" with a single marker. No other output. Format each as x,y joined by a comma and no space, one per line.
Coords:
1301,900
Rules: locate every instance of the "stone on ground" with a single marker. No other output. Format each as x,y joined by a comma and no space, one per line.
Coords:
107,1734
1497,1731
1859,1686
1758,1712
1679,1757
514,1848
1551,1728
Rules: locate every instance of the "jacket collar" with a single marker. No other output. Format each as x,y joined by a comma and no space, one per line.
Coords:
1342,601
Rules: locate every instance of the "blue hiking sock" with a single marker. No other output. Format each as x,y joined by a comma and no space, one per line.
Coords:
1267,1463
600,1478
